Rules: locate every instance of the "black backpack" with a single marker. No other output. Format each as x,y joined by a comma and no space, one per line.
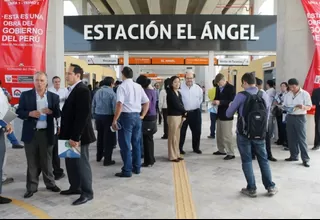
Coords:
254,121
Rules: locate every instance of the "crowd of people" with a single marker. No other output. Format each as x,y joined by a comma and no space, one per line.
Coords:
127,114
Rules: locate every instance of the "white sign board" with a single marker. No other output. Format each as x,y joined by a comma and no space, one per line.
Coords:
267,65
102,61
233,62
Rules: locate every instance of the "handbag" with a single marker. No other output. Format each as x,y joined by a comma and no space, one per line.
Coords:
149,127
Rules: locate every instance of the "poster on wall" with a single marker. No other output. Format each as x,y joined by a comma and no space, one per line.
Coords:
312,10
23,27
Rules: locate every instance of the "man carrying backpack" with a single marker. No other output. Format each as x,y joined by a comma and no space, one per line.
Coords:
253,112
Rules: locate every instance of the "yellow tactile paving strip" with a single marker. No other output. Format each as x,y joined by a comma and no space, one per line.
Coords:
38,213
185,208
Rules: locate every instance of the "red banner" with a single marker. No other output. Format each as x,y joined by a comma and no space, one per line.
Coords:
312,9
23,28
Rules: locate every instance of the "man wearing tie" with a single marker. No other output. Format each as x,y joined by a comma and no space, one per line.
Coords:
192,97
38,108
76,126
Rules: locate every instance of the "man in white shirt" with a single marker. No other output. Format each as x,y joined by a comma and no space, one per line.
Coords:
3,110
63,95
130,98
297,102
192,97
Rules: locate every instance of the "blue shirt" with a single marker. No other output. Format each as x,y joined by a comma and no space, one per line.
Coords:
104,101
239,100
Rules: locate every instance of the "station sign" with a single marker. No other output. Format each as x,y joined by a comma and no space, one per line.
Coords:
170,32
102,61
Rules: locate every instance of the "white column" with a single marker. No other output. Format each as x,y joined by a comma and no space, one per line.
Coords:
295,47
126,58
55,41
210,73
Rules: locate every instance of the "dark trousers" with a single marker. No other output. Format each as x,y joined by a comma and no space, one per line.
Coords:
130,134
79,172
106,138
39,159
158,112
282,130
317,130
297,136
57,170
194,121
213,119
269,137
165,122
149,128
2,155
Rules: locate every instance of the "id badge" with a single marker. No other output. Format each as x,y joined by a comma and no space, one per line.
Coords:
43,117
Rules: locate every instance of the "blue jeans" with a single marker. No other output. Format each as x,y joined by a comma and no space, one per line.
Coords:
130,134
12,138
245,148
213,119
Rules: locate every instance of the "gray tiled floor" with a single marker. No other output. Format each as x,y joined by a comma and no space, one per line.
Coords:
215,186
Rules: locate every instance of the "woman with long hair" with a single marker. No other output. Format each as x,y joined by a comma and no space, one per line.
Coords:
149,123
176,116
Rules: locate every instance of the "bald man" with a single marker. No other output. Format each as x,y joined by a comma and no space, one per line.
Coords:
192,97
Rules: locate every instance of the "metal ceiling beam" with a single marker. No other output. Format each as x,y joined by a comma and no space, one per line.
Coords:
126,7
115,7
239,5
228,6
154,7
98,4
182,6
209,6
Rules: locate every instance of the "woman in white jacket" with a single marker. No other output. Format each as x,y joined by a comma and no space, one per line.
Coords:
163,108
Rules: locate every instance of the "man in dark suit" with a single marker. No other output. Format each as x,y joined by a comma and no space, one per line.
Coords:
76,126
38,108
316,101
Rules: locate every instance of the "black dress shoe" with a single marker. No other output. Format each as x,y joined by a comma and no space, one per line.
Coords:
218,153
272,159
17,146
229,157
164,137
70,192
175,161
109,163
121,175
82,200
180,158
316,148
182,152
59,177
146,165
211,137
291,159
306,164
54,189
197,151
29,194
4,200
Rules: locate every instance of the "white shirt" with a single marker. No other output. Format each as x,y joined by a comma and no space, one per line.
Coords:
41,104
191,97
301,98
272,94
163,99
72,87
62,93
131,95
4,104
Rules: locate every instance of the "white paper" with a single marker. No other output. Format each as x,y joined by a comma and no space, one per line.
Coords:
10,116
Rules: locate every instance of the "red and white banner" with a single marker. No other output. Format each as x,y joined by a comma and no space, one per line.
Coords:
312,9
23,28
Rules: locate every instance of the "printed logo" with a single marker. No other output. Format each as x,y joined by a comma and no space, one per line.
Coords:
16,92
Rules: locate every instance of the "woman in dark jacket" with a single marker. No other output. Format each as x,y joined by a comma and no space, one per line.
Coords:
176,116
149,123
